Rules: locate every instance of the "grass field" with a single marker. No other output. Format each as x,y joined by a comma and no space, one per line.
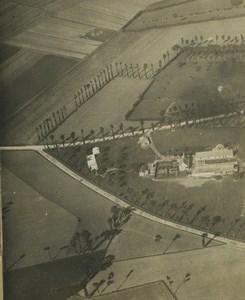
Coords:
179,198
194,82
52,184
189,12
32,82
32,223
100,110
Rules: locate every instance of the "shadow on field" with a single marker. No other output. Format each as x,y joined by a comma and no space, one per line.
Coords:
55,280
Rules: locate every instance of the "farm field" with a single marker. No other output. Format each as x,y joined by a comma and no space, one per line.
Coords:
18,63
104,13
51,183
136,47
27,86
78,49
189,12
194,82
166,3
32,223
215,264
16,18
73,28
119,164
6,52
121,93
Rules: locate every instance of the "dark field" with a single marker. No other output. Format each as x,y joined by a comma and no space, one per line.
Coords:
6,51
49,281
221,201
31,83
44,212
59,188
193,83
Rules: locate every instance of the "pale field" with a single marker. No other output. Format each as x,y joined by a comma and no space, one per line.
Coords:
131,47
191,12
17,64
31,230
105,13
153,43
216,272
105,108
47,204
54,45
62,28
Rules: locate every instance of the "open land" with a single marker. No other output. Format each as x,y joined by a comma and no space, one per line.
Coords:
32,82
63,239
194,82
136,47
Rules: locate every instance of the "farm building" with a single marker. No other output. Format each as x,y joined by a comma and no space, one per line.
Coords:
219,161
219,152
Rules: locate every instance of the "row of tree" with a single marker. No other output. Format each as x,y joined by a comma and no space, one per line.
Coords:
51,122
94,85
183,212
73,138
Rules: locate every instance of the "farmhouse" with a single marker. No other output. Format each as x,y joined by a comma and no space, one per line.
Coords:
91,159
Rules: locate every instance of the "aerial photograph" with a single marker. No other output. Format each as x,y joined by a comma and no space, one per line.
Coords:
122,149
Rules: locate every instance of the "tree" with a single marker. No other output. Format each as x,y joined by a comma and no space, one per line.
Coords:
132,69
121,128
152,70
142,126
82,133
62,137
92,132
126,67
112,131
177,236
164,57
186,278
145,68
73,137
52,138
138,70
158,238
116,63
102,131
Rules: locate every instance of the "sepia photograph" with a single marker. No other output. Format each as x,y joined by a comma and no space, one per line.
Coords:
122,149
